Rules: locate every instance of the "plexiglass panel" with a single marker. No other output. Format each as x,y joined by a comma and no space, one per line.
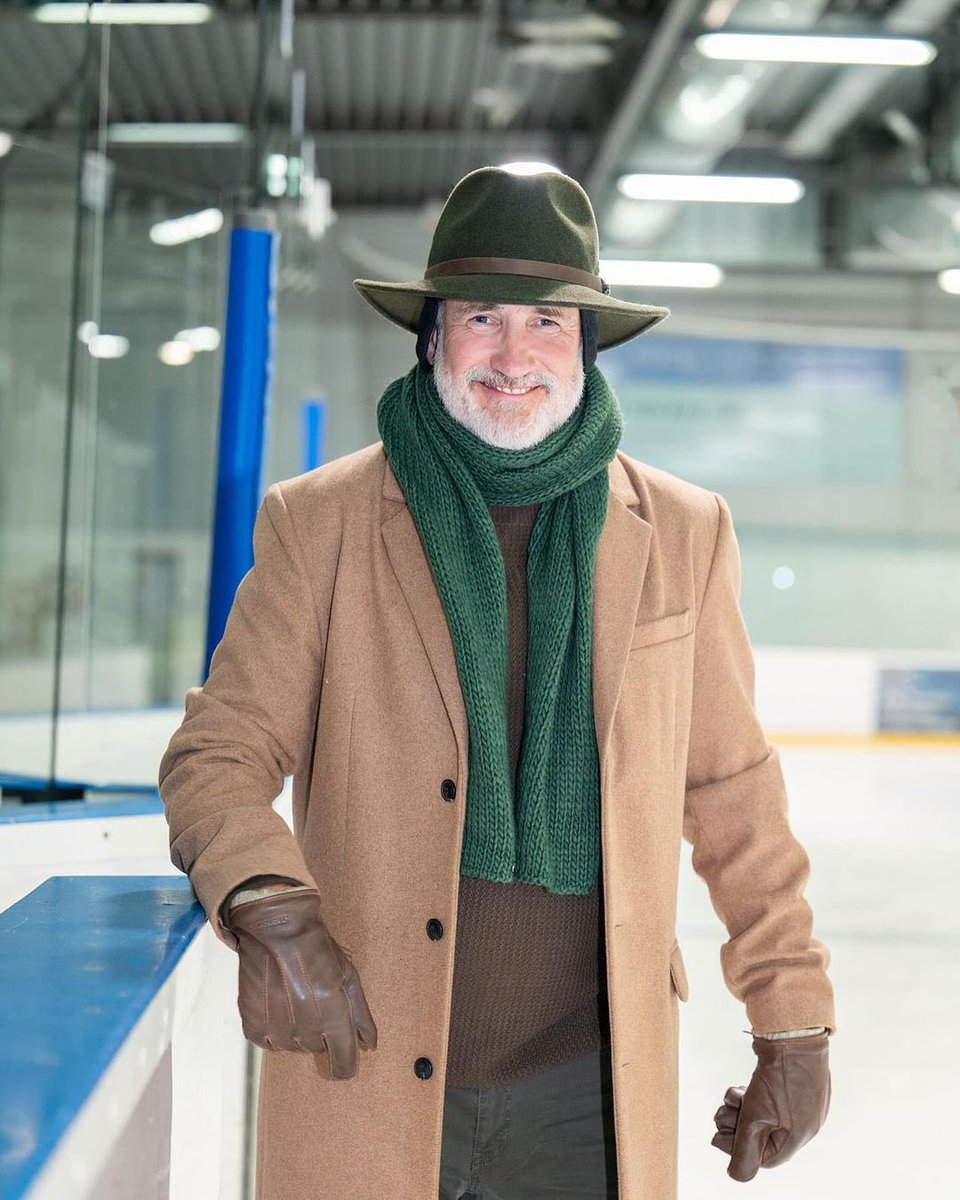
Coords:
37,242
110,325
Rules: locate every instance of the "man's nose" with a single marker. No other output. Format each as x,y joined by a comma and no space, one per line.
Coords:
512,354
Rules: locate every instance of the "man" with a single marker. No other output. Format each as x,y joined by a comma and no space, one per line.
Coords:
505,665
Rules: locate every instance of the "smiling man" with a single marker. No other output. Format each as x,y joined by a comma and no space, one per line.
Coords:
510,373
505,665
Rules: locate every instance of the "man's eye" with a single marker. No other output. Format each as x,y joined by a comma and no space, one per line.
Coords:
485,317
548,321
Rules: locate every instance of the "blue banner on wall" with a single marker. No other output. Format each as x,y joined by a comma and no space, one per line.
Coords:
720,411
919,701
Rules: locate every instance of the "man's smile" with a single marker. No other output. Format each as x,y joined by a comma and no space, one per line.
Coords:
511,395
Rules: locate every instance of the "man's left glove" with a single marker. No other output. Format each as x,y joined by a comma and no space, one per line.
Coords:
783,1107
298,988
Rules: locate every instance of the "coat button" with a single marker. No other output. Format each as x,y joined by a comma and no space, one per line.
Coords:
434,929
448,790
423,1068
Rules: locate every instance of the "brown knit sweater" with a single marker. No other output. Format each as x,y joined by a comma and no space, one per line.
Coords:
529,989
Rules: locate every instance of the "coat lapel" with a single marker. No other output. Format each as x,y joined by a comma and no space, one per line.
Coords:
409,563
621,565
618,579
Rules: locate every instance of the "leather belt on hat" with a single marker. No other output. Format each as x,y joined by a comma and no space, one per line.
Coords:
516,266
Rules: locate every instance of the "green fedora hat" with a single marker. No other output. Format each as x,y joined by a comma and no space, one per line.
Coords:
515,239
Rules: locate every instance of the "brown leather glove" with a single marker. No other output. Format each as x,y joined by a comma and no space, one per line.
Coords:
784,1106
298,988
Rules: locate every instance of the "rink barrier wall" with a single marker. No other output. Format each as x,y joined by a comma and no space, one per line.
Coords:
119,998
107,834
81,961
811,692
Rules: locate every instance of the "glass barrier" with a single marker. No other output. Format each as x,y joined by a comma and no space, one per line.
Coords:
151,373
37,246
111,285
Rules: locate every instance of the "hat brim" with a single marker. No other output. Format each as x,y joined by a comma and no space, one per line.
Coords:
617,320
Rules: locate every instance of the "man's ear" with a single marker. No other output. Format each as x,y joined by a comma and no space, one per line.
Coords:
432,346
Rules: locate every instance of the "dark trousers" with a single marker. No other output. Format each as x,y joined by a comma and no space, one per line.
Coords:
545,1138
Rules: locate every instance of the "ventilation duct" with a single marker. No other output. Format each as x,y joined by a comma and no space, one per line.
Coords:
698,115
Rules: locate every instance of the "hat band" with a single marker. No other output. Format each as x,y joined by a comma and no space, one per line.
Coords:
516,266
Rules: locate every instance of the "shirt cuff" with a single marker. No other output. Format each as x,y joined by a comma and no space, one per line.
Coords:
791,1033
243,895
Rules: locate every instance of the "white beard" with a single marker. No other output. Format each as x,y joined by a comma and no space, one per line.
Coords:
507,429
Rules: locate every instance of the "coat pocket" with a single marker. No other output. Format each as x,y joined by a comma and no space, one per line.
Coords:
663,629
678,973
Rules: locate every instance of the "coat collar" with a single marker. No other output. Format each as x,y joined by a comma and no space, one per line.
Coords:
621,565
621,484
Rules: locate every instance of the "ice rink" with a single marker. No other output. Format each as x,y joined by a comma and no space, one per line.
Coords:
881,824
882,828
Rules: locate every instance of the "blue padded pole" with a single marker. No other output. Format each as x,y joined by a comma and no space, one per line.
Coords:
244,399
313,433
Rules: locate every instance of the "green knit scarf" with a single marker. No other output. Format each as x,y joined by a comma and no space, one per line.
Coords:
550,833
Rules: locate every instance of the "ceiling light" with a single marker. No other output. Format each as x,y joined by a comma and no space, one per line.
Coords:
627,272
6,143
176,133
528,167
729,189
123,14
278,166
580,28
950,281
108,345
87,330
817,48
175,354
562,56
178,230
204,337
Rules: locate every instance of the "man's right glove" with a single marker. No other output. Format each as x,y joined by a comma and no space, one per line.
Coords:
298,988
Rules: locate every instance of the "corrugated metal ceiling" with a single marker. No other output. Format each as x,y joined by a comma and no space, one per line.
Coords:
402,98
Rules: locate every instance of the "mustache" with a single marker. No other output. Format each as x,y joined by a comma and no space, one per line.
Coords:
497,379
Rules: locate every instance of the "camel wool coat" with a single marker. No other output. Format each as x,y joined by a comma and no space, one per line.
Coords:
337,668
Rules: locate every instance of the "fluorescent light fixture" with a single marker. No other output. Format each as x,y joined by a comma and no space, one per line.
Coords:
628,272
950,281
581,27
123,14
6,143
176,133
277,167
817,48
528,167
561,56
108,345
178,230
204,337
87,330
728,189
175,354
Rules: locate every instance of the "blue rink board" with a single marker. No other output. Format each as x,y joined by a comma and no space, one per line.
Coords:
146,803
80,961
